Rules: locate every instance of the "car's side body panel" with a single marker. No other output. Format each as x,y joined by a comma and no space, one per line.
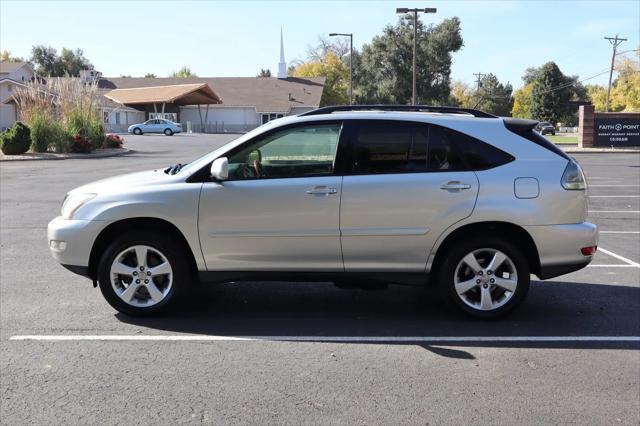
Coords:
390,221
271,225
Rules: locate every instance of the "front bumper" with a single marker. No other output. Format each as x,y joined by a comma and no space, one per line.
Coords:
559,247
70,241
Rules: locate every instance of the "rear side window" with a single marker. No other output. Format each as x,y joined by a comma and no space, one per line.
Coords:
389,147
404,147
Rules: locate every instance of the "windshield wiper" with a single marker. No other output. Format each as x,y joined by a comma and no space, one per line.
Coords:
172,170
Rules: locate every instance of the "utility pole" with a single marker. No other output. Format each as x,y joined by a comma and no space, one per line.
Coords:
615,42
479,76
350,35
415,37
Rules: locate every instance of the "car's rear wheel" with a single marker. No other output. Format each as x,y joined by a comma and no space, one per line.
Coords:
143,273
485,277
168,132
137,131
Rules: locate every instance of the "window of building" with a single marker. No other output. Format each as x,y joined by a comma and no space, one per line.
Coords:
117,118
297,152
270,116
105,116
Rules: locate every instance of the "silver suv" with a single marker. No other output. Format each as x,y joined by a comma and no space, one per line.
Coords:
357,195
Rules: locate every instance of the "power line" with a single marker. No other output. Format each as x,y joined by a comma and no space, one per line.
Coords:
479,76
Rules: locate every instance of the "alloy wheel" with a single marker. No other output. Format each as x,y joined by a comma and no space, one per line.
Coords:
141,276
485,279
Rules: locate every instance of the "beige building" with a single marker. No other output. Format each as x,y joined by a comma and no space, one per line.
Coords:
12,75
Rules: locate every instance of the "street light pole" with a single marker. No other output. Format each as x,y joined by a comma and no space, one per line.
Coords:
415,38
350,35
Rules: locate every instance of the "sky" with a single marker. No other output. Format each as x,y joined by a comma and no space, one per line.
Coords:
224,39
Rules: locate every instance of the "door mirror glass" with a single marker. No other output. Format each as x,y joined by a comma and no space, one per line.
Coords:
220,169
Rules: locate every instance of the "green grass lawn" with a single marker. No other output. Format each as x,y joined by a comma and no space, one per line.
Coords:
563,140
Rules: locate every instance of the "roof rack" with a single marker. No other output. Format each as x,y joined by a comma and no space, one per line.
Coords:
385,107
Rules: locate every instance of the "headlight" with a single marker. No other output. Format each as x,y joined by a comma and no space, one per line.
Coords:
71,204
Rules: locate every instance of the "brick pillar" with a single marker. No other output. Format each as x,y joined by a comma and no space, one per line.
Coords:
586,116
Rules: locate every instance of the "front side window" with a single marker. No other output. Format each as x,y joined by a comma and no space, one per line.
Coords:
296,152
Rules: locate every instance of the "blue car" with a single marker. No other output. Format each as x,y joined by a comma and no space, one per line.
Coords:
156,125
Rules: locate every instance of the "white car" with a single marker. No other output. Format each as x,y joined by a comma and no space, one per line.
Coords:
155,125
356,195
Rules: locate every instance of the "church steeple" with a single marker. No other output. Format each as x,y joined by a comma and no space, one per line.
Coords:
282,65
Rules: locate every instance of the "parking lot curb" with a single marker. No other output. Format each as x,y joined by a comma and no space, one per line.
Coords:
601,150
113,152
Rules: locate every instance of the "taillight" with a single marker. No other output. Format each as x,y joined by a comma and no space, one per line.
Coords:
589,251
573,177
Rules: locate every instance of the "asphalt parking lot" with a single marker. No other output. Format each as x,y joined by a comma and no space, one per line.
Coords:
570,354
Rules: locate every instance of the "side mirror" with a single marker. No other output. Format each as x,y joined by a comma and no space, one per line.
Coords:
220,168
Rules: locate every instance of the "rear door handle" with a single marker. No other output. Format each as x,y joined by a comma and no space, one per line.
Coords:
455,186
321,190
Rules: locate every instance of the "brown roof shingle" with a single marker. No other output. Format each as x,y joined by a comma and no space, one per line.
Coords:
182,94
267,94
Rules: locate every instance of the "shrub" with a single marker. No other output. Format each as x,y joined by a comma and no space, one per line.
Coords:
80,145
47,134
88,126
16,140
113,141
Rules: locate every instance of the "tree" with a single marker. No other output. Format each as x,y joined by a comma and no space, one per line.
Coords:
6,56
522,102
462,94
493,96
49,63
554,95
184,72
625,94
598,96
336,73
150,75
384,67
264,73
340,46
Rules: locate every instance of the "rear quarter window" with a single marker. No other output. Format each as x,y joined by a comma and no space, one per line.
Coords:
462,152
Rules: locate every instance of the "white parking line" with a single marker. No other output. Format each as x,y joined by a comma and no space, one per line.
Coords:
617,256
610,266
614,196
614,211
619,232
337,339
602,186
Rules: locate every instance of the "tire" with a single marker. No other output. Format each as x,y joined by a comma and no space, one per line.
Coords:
137,131
168,132
457,276
169,284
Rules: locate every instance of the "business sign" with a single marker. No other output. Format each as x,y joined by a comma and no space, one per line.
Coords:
616,132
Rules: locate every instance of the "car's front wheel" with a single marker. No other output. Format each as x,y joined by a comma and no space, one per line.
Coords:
143,273
485,277
137,131
168,132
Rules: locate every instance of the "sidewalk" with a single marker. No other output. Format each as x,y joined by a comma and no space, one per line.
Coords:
100,153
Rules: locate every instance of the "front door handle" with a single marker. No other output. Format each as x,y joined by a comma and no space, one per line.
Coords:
321,190
455,185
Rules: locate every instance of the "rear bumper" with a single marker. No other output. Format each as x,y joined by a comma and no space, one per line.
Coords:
559,247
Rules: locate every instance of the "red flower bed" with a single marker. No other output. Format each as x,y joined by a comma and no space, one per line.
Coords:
113,141
80,145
